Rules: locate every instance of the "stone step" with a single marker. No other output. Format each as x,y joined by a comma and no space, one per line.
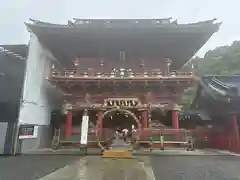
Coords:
117,154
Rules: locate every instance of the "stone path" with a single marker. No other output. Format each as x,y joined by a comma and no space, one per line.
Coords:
32,167
116,169
97,168
120,144
196,167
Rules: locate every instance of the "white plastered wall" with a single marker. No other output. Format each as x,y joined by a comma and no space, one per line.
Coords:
36,107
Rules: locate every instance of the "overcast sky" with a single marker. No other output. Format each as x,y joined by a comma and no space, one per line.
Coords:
15,12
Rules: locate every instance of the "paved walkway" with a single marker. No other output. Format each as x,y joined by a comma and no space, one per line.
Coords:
196,167
215,167
32,167
96,168
155,152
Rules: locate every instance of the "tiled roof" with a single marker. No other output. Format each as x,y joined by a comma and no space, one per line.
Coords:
227,86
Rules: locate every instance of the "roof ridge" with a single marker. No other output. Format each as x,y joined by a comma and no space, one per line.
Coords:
8,52
163,20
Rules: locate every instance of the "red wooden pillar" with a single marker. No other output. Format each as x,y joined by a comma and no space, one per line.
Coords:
145,119
100,122
175,120
235,127
69,125
145,124
175,123
235,130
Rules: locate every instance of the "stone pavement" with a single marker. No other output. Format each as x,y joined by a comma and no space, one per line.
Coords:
196,167
32,167
118,142
142,152
97,168
182,152
214,167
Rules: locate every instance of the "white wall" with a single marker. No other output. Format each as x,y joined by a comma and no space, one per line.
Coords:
36,107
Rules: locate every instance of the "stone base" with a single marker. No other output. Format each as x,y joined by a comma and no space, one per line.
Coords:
117,154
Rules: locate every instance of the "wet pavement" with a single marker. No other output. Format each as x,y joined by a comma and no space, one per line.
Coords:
164,167
97,168
196,167
31,167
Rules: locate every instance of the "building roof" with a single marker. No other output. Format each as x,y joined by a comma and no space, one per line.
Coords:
20,50
12,70
218,94
221,86
141,37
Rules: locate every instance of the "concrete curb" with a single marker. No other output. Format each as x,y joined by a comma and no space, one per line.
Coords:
134,154
229,153
167,152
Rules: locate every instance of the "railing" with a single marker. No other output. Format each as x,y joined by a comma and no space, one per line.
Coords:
92,74
217,140
172,136
225,142
147,137
141,138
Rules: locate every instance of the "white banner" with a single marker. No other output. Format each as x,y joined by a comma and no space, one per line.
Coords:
84,130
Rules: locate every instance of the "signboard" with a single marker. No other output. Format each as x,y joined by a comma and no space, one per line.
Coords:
84,130
27,131
122,102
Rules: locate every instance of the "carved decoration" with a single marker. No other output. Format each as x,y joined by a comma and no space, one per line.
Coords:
122,102
66,107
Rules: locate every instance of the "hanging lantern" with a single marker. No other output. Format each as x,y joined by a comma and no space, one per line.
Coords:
112,74
101,63
85,74
145,74
173,74
99,74
142,64
169,61
76,62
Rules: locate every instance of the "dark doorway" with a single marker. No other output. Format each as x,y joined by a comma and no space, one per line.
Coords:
119,119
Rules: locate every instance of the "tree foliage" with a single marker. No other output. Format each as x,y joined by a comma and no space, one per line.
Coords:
224,60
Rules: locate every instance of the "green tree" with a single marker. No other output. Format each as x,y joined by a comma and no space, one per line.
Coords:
223,60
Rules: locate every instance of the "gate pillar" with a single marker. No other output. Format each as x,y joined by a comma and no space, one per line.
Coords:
145,124
235,129
100,122
235,125
175,120
69,125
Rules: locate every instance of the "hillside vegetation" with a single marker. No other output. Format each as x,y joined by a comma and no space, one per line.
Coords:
224,60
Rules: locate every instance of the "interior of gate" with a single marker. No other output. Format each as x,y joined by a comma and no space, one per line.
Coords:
104,123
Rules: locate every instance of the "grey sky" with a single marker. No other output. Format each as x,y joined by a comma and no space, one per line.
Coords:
15,12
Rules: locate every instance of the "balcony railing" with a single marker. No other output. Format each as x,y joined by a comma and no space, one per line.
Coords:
92,74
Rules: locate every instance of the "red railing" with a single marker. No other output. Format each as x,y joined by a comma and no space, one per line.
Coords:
93,74
226,142
169,135
219,140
